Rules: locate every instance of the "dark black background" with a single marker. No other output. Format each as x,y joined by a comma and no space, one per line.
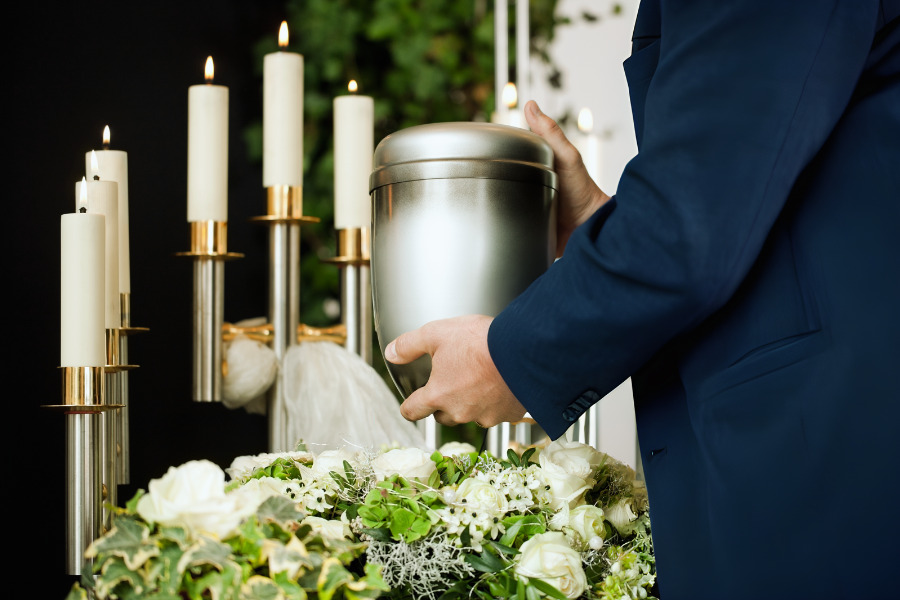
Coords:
71,69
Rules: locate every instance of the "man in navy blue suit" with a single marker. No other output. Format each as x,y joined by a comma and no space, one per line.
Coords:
746,276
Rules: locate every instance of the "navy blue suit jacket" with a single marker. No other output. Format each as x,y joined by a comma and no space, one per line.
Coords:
747,277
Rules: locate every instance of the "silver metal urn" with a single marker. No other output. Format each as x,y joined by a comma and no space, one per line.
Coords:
463,220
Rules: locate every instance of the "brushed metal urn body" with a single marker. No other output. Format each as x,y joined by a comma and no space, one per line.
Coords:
463,221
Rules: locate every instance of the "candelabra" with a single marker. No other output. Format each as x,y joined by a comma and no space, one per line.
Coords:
283,329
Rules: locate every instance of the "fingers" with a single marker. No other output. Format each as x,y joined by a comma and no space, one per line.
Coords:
414,408
579,195
464,384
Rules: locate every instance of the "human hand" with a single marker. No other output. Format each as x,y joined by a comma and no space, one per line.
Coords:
464,385
579,196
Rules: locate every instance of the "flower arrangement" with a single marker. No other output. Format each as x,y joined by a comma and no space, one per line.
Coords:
561,521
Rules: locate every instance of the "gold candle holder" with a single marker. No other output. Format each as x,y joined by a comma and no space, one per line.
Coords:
209,249
285,214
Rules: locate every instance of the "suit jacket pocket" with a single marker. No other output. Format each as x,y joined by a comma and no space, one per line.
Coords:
763,361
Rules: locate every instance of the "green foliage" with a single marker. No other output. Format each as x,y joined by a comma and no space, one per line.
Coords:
141,560
399,510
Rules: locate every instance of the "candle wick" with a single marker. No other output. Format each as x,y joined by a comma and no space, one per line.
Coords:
96,178
82,209
106,146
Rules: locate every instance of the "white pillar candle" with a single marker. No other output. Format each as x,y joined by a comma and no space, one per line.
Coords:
501,57
82,258
113,166
283,115
588,145
523,49
103,199
208,150
354,120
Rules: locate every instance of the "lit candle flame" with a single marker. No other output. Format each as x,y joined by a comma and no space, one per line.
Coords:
352,86
82,195
510,95
95,165
106,136
209,71
585,120
283,35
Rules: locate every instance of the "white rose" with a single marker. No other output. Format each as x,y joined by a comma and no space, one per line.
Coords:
587,521
480,495
193,496
621,515
192,483
409,463
548,556
456,448
332,460
574,458
221,517
565,490
328,527
569,468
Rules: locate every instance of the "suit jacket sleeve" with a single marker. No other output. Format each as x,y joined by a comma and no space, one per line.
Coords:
736,99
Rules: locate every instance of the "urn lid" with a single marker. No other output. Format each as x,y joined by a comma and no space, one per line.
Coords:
465,149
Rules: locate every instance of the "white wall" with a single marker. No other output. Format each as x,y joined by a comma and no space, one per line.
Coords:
590,56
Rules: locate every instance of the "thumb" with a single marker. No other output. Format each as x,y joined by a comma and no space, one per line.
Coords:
406,348
547,128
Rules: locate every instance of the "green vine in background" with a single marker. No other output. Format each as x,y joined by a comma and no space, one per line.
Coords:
423,61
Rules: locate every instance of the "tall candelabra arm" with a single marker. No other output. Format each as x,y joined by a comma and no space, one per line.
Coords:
284,217
209,242
353,258
123,420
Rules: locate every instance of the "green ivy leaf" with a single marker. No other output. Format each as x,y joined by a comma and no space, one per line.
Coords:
128,539
279,509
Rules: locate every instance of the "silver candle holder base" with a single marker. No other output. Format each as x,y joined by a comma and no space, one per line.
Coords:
353,255
84,406
209,243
